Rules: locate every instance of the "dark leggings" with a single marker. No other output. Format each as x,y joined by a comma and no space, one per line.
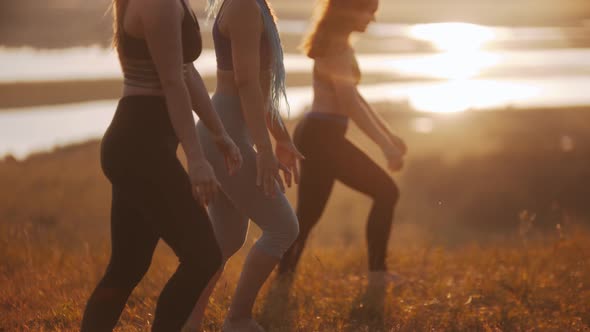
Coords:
151,199
329,156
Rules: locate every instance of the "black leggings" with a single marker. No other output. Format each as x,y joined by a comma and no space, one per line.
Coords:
151,199
329,156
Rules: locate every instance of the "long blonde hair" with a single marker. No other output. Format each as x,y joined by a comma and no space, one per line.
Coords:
330,16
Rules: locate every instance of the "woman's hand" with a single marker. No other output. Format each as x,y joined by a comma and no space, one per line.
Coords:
203,181
394,156
399,143
230,151
288,156
268,172
395,152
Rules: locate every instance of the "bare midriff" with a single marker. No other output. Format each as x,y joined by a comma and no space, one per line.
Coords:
137,91
226,83
135,88
324,98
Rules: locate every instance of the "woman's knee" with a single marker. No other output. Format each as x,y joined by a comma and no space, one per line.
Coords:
204,260
126,274
291,233
387,194
230,245
277,241
308,218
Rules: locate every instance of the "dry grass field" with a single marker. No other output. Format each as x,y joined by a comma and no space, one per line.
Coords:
473,262
492,231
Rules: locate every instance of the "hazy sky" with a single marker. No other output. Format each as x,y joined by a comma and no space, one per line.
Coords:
62,23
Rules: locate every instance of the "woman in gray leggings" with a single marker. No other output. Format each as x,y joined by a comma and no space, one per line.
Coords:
250,88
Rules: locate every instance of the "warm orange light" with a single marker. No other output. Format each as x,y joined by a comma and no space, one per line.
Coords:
454,36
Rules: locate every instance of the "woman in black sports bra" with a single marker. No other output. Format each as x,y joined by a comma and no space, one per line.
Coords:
153,197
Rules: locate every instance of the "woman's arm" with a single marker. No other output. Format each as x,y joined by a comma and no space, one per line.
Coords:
201,102
277,128
383,125
285,149
374,116
244,26
162,31
339,69
202,107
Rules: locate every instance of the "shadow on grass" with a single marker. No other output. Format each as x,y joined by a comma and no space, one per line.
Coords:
368,310
277,312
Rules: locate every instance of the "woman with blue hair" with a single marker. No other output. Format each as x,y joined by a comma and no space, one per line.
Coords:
250,90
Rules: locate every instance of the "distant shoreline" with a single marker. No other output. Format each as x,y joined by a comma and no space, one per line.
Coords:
27,95
30,94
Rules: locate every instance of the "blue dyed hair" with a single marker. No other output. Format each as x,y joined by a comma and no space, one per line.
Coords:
278,91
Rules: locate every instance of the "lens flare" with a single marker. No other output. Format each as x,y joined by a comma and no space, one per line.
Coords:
453,36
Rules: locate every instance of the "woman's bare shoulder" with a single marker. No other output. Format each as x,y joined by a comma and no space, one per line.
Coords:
153,6
157,11
242,11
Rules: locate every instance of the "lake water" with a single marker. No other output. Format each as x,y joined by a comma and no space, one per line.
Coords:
27,130
467,72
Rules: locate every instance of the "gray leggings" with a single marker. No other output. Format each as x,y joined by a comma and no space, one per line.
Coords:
241,199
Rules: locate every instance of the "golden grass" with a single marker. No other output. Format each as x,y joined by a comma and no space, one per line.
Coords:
54,241
540,287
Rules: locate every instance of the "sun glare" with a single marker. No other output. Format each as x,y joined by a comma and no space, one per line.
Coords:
453,36
462,58
447,65
463,95
461,45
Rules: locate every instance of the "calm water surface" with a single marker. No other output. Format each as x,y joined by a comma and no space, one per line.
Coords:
467,72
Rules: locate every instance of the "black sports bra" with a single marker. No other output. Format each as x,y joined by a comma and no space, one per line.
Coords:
137,49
